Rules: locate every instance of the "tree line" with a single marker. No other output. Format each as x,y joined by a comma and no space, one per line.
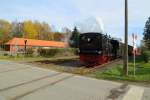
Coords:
42,31
28,29
146,38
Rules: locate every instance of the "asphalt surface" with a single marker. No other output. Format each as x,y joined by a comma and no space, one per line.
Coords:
26,82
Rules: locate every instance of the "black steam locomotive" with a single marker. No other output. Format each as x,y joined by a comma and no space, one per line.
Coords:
97,48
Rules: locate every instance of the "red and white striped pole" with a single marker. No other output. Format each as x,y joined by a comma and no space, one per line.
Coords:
134,37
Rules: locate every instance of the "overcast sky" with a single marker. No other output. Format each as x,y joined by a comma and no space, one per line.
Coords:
66,12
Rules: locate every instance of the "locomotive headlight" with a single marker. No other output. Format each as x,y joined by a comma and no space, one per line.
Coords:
88,39
78,50
99,52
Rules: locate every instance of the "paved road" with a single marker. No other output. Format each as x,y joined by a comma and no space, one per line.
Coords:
25,82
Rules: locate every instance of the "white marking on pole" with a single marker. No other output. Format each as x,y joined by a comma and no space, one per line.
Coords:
135,93
134,37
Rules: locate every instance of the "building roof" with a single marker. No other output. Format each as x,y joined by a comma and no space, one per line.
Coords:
33,42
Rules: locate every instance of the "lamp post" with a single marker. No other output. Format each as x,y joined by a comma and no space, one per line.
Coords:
25,47
125,66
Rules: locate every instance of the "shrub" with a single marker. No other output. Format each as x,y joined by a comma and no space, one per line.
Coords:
67,52
29,52
5,54
47,52
145,56
56,52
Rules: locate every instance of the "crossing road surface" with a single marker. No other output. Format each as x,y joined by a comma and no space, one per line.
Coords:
25,82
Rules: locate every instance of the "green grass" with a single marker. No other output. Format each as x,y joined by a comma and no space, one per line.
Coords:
20,58
115,73
32,58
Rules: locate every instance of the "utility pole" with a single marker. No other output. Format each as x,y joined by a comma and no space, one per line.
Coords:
125,66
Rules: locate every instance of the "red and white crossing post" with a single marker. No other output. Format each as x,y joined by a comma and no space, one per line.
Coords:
134,37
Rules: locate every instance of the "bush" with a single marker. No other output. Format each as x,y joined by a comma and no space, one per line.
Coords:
145,56
56,51
29,52
47,52
67,52
5,54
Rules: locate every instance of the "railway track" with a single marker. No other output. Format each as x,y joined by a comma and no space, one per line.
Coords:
72,65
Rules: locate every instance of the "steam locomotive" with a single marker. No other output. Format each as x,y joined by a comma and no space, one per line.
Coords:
96,48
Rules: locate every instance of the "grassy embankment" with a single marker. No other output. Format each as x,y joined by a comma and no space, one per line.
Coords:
46,54
115,73
31,59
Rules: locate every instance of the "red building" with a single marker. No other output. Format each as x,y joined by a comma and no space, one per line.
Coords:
16,44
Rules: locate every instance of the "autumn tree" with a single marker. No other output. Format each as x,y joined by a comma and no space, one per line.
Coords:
46,30
5,28
38,28
17,29
58,36
43,30
29,30
50,36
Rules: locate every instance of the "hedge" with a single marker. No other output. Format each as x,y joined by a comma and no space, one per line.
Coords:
55,51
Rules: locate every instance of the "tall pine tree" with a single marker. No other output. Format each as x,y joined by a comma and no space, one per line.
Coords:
147,34
74,39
